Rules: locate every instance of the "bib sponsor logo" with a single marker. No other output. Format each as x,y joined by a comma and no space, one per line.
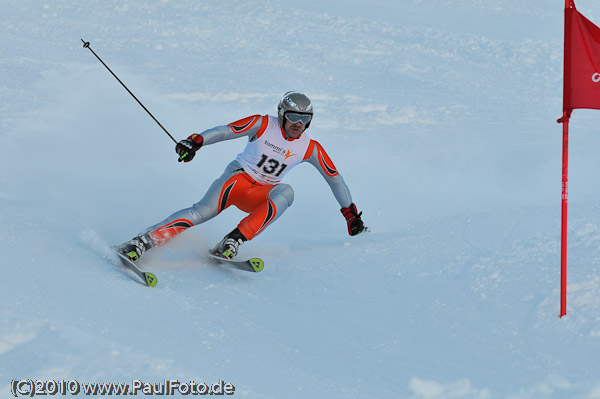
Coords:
289,154
596,77
280,150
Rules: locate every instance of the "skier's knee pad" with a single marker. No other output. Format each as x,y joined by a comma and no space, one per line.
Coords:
285,191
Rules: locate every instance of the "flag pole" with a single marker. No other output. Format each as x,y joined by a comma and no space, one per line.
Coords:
565,163
565,195
565,157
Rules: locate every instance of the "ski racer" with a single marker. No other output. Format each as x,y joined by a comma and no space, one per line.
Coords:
252,182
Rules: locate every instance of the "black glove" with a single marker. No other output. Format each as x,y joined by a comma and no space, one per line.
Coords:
186,149
355,223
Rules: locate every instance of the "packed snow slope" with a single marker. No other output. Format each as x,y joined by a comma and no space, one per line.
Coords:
440,115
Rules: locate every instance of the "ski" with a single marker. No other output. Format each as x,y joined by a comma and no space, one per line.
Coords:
147,277
250,265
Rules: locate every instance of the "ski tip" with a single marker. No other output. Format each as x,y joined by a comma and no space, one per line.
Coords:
257,264
148,278
151,279
250,265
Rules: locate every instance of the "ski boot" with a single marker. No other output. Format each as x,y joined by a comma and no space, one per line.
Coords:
135,248
229,245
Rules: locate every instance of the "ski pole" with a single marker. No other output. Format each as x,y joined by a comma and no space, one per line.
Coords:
87,45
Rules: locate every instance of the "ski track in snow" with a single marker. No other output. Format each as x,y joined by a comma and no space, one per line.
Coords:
441,115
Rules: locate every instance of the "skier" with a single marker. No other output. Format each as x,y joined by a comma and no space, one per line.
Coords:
252,181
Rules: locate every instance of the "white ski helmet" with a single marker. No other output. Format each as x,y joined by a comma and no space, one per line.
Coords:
295,102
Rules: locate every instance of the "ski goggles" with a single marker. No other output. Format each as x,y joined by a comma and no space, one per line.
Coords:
295,117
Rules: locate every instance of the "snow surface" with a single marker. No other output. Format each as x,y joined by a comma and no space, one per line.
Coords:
441,116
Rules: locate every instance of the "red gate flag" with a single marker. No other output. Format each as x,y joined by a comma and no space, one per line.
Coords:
582,62
581,89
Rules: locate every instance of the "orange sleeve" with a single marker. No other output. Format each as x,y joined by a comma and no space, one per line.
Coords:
247,123
310,149
316,150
